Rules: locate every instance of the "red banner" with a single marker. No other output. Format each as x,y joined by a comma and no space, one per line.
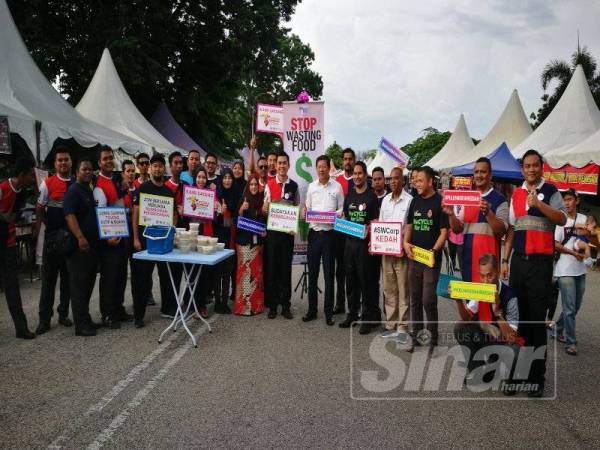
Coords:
461,198
461,182
584,180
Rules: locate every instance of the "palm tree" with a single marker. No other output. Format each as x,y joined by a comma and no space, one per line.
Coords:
562,71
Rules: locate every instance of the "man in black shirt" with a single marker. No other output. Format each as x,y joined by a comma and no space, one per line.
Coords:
360,206
142,270
79,208
378,185
427,227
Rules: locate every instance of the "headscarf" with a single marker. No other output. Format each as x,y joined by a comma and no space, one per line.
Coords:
255,201
240,183
231,196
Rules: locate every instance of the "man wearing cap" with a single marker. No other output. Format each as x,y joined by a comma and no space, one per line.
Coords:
535,209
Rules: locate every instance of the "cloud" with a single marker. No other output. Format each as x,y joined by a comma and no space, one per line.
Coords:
394,68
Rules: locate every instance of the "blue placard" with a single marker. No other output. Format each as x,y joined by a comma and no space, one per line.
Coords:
112,222
251,225
350,228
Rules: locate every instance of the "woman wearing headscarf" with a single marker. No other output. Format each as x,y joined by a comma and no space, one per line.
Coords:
250,297
229,199
239,170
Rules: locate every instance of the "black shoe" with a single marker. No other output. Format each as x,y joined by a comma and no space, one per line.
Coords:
226,309
111,323
348,322
25,334
150,301
329,321
85,331
95,325
123,316
139,323
537,392
287,313
42,328
339,309
508,388
309,317
65,322
272,313
365,328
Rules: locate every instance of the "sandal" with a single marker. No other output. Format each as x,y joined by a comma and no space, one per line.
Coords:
571,351
561,338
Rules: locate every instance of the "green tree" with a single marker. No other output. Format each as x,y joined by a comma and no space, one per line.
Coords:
425,146
334,151
561,71
211,61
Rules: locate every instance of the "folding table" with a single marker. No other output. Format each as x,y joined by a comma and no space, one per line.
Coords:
188,260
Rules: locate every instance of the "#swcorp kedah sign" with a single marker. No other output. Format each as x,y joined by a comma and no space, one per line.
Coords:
386,238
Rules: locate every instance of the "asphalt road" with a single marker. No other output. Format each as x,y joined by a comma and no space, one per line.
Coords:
259,383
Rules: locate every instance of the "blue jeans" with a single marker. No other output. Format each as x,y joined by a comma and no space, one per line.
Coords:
571,295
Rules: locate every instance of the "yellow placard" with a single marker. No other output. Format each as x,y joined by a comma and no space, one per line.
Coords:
423,256
156,210
464,290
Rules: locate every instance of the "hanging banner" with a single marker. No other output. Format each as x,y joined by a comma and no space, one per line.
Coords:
460,182
394,152
304,142
5,136
350,228
463,290
321,217
269,119
198,203
386,238
251,225
283,218
112,223
583,180
461,198
156,210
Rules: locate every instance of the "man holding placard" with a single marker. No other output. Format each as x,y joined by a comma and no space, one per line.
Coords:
280,247
324,202
483,225
360,207
394,208
425,235
151,191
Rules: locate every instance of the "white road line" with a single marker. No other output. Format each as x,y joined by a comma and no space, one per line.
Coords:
133,374
107,434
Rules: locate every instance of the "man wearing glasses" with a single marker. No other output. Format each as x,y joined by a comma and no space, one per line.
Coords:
262,173
143,162
211,170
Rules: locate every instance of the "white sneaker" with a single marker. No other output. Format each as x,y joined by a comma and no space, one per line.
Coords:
167,316
389,334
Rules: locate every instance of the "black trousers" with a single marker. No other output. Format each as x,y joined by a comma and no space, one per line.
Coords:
113,278
359,281
52,267
9,274
222,280
422,284
376,277
280,252
82,267
531,280
141,275
340,269
321,247
204,287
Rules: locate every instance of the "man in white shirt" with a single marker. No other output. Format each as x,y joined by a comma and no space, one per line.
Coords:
323,195
570,271
394,208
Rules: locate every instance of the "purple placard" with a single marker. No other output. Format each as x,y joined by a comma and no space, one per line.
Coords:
393,151
321,217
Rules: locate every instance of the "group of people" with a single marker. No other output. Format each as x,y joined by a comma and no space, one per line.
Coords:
533,225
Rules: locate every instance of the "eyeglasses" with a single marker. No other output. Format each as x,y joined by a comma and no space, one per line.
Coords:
212,163
143,163
262,167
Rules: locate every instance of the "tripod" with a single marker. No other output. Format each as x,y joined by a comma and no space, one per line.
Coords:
304,282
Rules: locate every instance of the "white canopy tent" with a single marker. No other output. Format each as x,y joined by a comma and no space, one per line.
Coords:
106,101
580,155
512,127
574,118
26,96
458,148
385,161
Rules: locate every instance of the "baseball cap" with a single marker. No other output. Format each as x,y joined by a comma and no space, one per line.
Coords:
572,192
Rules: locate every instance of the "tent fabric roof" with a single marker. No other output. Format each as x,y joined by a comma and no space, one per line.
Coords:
574,118
106,101
580,155
458,148
26,96
511,128
165,124
383,160
504,165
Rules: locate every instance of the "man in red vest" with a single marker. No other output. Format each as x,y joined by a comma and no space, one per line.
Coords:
347,183
12,200
49,210
535,209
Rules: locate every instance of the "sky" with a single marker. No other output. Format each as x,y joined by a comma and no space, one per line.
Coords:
392,68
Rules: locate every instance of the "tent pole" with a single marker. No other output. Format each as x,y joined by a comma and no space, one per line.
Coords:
38,153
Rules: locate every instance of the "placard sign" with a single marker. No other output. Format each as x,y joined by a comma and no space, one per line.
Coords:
386,238
423,256
198,203
463,290
269,119
283,217
112,223
251,225
156,210
461,198
4,136
40,175
350,228
321,217
393,151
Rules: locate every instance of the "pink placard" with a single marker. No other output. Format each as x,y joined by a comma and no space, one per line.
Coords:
461,198
198,203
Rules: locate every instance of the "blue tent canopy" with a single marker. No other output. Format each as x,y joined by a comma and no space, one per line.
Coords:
504,166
